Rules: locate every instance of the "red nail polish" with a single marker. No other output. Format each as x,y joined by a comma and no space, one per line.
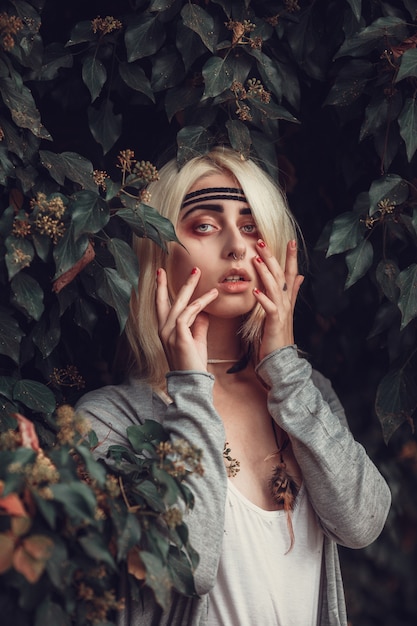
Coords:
194,270
258,258
256,290
158,271
261,243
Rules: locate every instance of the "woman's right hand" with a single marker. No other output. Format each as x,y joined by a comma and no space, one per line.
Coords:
182,325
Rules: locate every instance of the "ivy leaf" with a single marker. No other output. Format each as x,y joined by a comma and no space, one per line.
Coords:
95,547
94,75
198,20
239,137
81,33
145,436
49,612
10,336
69,165
135,78
55,57
20,102
381,32
47,332
28,294
358,261
218,74
396,398
77,500
144,37
69,251
189,45
145,221
408,66
20,254
407,121
89,213
350,82
115,291
386,274
157,577
391,189
347,233
181,97
105,126
167,69
407,302
126,260
192,140
356,6
35,396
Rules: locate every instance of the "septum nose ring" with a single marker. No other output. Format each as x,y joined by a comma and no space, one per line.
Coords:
238,258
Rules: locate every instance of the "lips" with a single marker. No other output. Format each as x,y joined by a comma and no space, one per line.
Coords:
235,276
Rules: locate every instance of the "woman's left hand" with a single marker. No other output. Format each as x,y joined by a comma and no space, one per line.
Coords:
279,296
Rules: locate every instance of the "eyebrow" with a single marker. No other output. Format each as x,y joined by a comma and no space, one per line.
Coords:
217,208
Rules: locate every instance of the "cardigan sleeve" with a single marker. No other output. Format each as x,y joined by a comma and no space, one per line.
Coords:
189,416
349,495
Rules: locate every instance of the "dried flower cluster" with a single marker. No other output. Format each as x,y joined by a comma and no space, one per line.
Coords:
67,377
9,27
254,89
105,25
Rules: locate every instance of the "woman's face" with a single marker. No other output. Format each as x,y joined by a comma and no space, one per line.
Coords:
219,234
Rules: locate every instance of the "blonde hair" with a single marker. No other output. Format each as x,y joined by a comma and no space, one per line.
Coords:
275,223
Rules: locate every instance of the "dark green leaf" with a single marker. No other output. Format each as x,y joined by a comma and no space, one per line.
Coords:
69,251
189,45
379,112
396,398
192,140
271,110
28,294
157,578
407,121
81,33
201,22
22,107
115,291
89,212
35,396
218,74
171,488
126,260
167,69
47,332
145,221
390,189
181,97
77,499
69,165
350,82
55,57
94,75
20,254
239,137
95,547
95,469
181,572
408,66
144,37
407,302
105,125
356,6
134,76
149,492
10,336
49,612
128,536
380,33
347,233
145,436
386,274
358,262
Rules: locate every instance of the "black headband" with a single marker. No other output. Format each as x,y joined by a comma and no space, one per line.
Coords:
215,193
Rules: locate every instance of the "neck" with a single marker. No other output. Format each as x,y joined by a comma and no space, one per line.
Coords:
223,340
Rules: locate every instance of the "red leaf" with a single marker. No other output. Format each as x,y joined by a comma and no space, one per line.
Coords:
27,432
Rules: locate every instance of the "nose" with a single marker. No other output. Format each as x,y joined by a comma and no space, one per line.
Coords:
235,245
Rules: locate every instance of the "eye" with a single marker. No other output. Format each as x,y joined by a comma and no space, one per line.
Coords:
250,229
204,228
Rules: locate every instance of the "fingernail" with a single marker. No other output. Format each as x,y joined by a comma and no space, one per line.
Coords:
256,291
158,271
261,243
293,244
258,258
194,270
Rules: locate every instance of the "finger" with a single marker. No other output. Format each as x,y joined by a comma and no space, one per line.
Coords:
189,315
291,265
162,300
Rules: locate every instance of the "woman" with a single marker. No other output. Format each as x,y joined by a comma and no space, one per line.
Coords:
216,362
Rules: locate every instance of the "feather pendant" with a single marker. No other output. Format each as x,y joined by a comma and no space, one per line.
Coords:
284,490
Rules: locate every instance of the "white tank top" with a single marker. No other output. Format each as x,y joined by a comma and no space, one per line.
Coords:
258,582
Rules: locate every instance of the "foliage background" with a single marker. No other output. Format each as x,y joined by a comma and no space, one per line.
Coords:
334,111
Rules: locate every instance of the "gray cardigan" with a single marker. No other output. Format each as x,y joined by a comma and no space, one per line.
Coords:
346,490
